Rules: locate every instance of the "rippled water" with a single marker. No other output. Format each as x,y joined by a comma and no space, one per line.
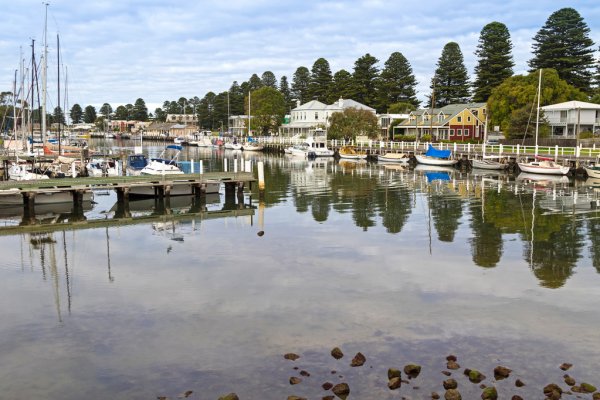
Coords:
405,266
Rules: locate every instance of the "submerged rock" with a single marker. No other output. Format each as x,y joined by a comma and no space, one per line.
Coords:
587,388
341,390
435,396
394,383
230,396
474,375
501,372
489,393
358,360
565,366
337,353
295,398
295,380
553,391
394,373
570,380
516,397
412,370
327,385
519,383
452,365
304,373
291,356
450,384
452,394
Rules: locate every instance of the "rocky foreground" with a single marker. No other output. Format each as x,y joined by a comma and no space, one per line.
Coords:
451,378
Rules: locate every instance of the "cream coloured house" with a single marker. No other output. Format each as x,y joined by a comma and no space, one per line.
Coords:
572,117
307,117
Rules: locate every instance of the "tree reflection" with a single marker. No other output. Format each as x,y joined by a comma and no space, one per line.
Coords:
446,213
486,243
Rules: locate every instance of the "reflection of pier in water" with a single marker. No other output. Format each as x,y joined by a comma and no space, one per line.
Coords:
141,212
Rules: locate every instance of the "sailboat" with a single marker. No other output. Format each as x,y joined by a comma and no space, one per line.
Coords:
542,165
487,162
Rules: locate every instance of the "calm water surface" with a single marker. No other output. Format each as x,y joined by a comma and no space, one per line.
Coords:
405,266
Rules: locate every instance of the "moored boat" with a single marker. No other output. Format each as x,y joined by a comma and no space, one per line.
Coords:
435,156
545,166
164,164
401,158
488,162
350,153
593,171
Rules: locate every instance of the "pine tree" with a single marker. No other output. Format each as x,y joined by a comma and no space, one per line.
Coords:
495,60
236,99
342,86
284,89
140,111
254,82
564,44
364,78
89,115
396,82
268,79
451,81
320,81
300,84
76,114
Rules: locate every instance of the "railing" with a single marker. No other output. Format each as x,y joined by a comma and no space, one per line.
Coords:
456,147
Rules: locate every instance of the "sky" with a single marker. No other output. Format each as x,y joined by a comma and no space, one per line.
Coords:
119,51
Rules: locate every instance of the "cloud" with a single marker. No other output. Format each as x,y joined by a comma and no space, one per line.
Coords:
117,52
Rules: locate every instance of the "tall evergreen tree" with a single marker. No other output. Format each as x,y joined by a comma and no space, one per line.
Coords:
495,61
58,116
236,99
268,79
364,80
564,44
300,84
254,82
106,109
284,89
396,83
76,114
451,81
342,86
89,115
320,81
140,111
121,112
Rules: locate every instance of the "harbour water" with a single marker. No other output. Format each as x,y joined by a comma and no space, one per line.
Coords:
402,265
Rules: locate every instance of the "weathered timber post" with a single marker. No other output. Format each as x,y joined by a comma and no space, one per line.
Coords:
29,208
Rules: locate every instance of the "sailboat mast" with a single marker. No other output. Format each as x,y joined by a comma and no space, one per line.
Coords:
58,113
537,119
33,69
249,113
228,112
15,106
44,75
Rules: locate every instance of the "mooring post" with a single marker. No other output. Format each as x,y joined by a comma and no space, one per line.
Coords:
167,193
29,207
240,192
261,176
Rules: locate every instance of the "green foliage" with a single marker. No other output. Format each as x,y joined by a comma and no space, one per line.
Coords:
284,89
364,80
140,111
121,113
58,115
353,122
342,86
76,114
451,81
268,110
522,124
396,83
300,84
236,99
106,110
520,91
586,135
401,108
595,99
254,83
320,81
268,79
89,115
564,44
495,60
159,114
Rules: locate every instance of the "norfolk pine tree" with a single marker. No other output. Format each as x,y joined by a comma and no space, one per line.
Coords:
363,80
396,83
495,61
451,81
320,81
564,44
300,84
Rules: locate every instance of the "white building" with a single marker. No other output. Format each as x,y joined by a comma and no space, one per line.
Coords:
572,117
309,116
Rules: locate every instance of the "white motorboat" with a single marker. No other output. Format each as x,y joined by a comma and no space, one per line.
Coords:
350,153
235,145
401,158
545,166
435,156
102,167
164,164
253,146
488,162
593,171
20,172
136,163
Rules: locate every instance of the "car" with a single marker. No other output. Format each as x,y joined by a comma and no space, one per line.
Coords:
492,142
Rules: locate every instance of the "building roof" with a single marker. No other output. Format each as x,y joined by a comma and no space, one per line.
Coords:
348,103
311,105
572,105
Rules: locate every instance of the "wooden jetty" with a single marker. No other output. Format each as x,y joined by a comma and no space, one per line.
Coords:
162,184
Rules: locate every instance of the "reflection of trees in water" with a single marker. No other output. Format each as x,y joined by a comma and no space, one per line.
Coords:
486,243
320,207
446,213
395,208
593,226
555,254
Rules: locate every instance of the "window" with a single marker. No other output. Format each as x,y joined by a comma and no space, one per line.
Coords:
459,119
451,132
459,132
316,115
469,119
